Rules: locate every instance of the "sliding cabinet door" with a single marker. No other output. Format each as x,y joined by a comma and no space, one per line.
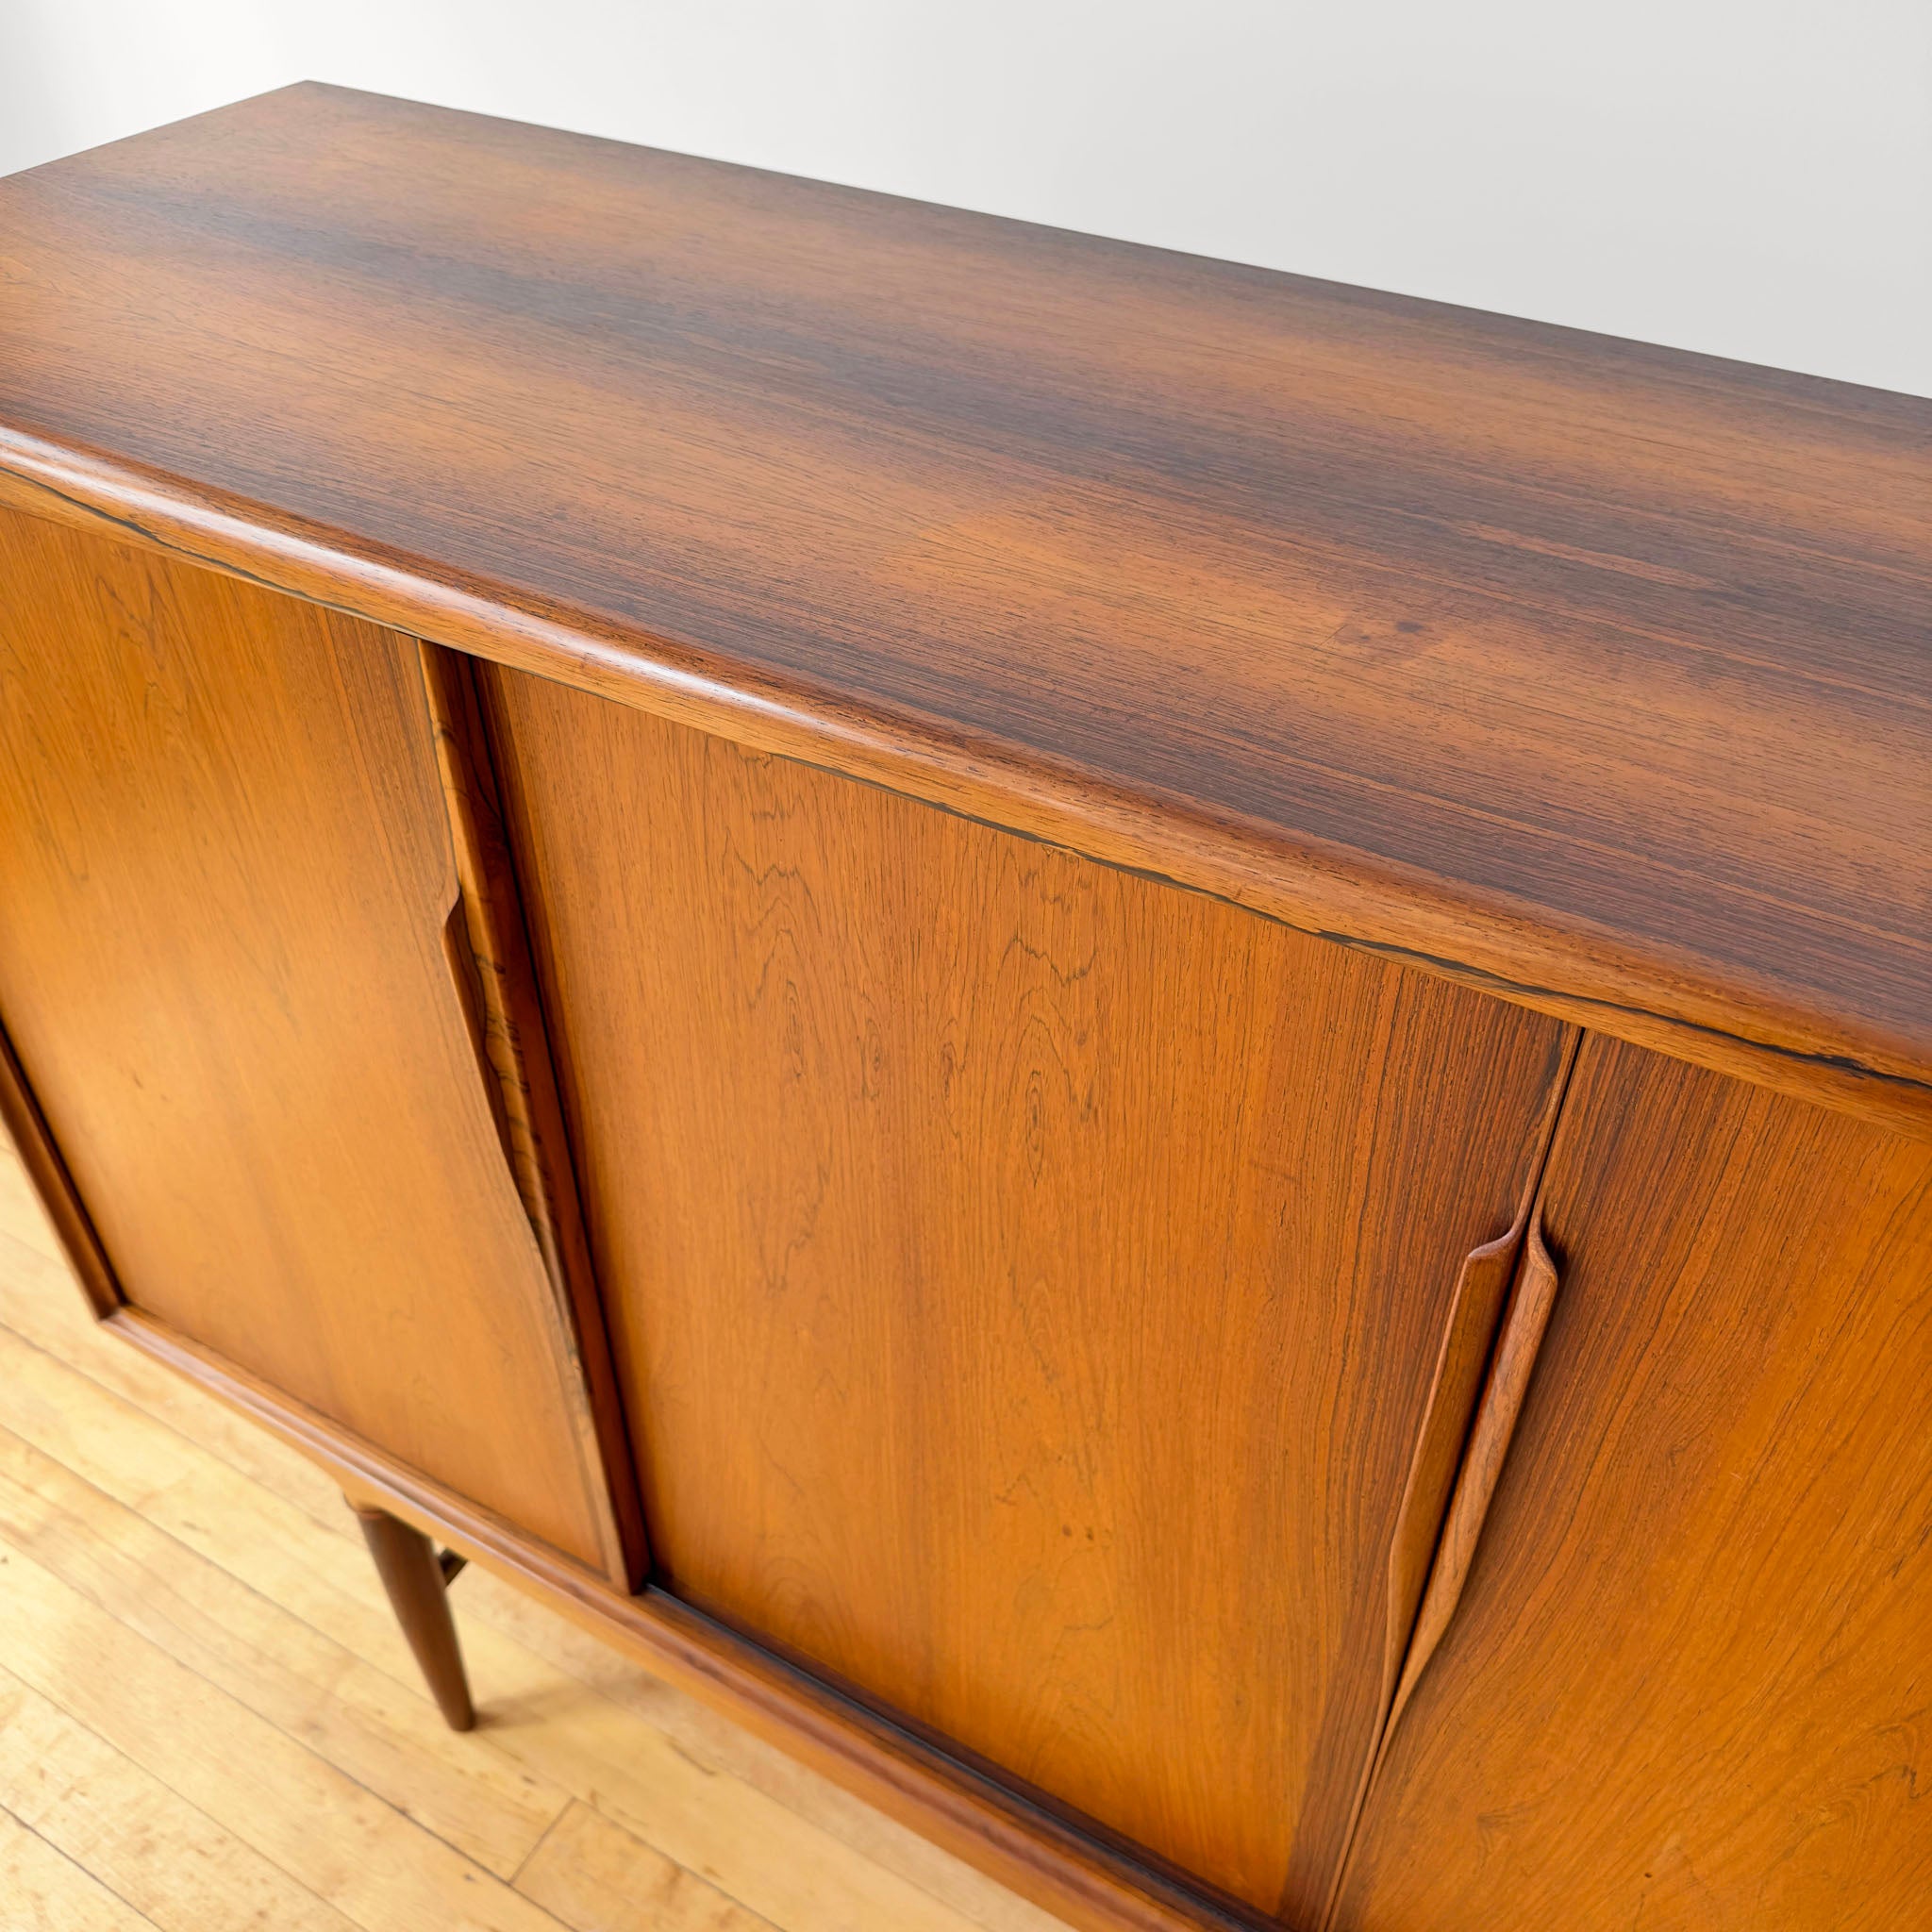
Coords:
226,870
1027,1279
1689,1687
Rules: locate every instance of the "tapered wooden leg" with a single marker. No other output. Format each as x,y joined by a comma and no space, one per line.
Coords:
416,1579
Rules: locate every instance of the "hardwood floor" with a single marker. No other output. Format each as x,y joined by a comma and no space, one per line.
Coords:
209,1721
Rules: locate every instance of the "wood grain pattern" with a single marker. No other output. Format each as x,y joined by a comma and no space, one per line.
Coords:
321,1828
224,864
1026,1277
1592,671
1687,1685
124,1827
51,1894
497,983
594,1877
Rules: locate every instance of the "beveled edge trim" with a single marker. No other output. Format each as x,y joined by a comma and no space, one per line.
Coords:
1565,969
1025,1848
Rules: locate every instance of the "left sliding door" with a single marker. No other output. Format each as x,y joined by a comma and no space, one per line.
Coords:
227,872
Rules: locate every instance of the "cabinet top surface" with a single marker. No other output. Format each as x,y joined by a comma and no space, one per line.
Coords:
1613,659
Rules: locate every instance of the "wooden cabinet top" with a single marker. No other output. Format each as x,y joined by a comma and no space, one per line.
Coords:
1596,672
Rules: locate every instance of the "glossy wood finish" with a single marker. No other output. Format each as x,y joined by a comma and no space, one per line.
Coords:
414,1581
1026,1277
488,956
1687,1685
226,870
1591,671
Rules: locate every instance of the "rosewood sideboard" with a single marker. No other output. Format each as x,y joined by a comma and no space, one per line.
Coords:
1147,1048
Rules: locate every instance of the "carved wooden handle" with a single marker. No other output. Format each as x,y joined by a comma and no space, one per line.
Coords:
466,976
488,951
482,942
1475,1309
1482,1462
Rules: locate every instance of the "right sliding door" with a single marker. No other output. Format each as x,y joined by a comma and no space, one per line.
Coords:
1690,1682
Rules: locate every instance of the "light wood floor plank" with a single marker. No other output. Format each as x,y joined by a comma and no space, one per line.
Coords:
124,1827
596,1878
720,1745
196,1498
385,1735
43,1890
21,1213
379,1869
761,1852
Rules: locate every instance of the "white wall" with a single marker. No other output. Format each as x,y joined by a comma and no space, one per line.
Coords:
1749,178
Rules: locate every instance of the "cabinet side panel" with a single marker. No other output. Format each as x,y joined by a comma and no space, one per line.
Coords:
226,868
1025,1276
1690,1682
